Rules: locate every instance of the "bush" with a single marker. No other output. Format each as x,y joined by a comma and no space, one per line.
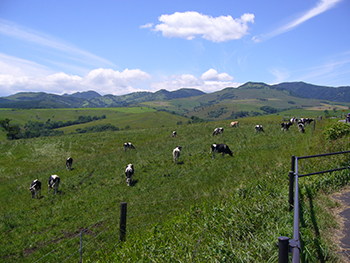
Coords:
336,130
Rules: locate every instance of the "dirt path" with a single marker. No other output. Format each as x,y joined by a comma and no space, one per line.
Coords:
343,236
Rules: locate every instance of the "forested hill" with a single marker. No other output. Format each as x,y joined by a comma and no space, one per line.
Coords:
92,99
309,91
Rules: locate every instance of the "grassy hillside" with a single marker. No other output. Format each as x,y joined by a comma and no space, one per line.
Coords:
230,103
134,117
231,209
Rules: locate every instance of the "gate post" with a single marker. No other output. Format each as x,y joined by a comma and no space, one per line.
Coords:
291,183
283,249
122,225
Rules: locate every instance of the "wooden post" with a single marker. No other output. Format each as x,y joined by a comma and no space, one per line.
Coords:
81,247
122,225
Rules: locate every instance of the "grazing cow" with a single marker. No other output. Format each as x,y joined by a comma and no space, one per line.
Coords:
69,163
218,131
128,145
234,124
301,127
35,187
174,134
220,148
53,183
259,128
294,120
176,154
129,172
307,121
285,125
347,120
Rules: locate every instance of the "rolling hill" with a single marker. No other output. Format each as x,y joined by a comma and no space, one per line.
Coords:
250,99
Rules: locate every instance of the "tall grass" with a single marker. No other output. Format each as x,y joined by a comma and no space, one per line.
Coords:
231,209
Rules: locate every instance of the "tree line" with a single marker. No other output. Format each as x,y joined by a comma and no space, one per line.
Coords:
33,129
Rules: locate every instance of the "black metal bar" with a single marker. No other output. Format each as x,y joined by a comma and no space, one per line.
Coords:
122,226
283,249
320,155
291,182
326,171
296,249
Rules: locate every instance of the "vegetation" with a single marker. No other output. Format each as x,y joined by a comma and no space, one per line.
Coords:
231,209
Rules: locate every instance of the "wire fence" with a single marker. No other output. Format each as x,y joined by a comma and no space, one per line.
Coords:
103,235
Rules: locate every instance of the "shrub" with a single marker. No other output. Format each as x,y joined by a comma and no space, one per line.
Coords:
336,130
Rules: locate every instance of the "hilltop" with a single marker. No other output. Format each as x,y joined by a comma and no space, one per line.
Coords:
249,99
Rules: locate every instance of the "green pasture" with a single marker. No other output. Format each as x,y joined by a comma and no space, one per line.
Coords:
227,209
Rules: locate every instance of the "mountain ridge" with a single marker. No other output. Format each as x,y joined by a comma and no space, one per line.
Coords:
92,99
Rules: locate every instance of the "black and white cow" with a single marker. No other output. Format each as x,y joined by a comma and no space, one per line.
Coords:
301,127
53,183
259,128
218,131
69,163
307,121
174,134
285,125
128,145
176,154
129,172
35,188
220,148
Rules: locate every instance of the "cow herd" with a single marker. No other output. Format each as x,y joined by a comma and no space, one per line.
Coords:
54,180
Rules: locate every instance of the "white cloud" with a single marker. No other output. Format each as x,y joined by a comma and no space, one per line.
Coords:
148,25
210,81
213,75
320,8
104,81
216,29
22,33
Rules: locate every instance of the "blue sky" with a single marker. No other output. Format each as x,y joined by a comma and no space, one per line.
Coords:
119,47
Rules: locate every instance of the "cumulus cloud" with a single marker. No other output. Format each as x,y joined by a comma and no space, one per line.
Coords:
104,81
210,81
213,75
216,29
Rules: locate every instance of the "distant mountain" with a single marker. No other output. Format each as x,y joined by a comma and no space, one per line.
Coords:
305,90
91,99
84,95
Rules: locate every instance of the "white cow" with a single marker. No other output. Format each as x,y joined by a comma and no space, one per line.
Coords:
176,154
174,134
129,172
53,183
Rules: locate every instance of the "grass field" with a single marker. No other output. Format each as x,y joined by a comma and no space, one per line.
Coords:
228,209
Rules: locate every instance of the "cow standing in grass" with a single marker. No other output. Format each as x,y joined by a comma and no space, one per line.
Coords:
285,126
234,124
129,172
35,188
176,154
220,148
301,127
69,163
53,183
128,145
259,128
218,131
174,134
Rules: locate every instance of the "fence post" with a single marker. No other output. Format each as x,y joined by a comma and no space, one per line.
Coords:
81,247
291,183
122,225
283,249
